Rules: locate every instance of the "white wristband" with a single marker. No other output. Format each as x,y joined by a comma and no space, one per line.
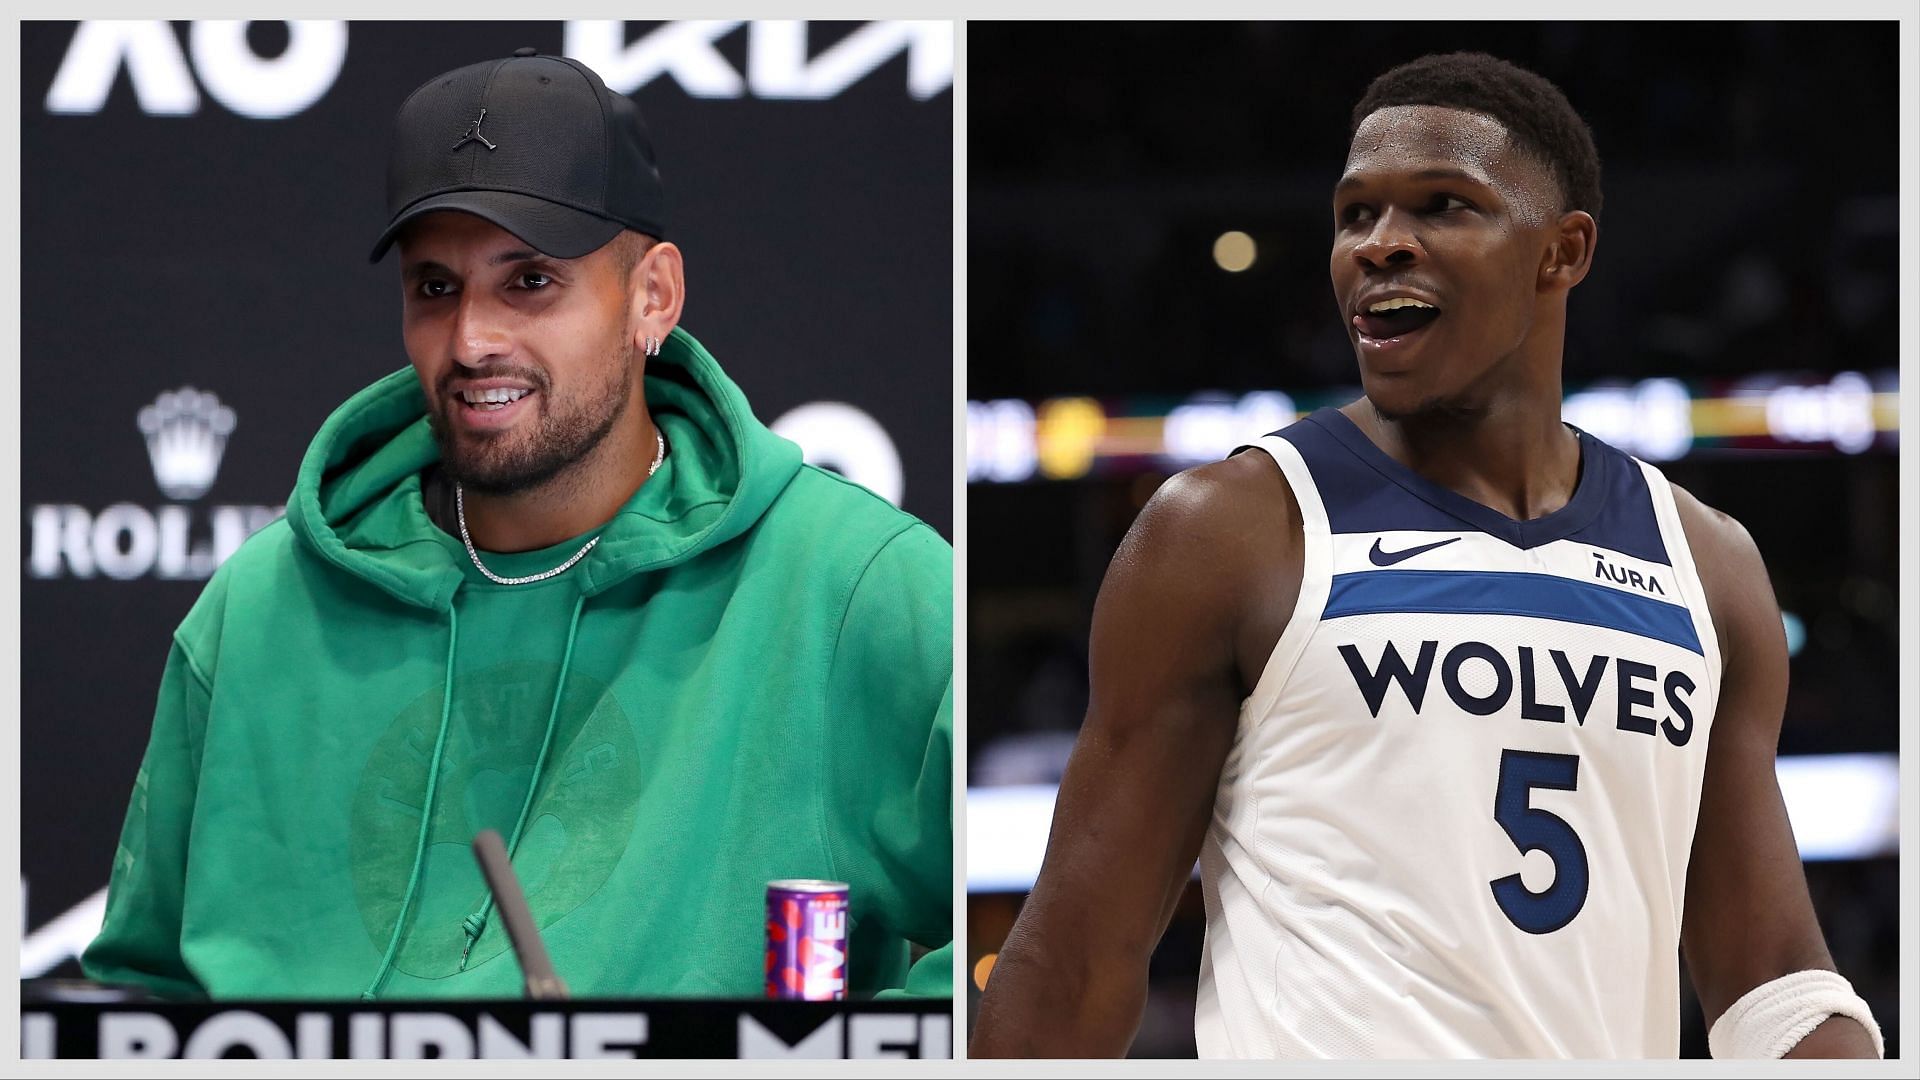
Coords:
1771,1018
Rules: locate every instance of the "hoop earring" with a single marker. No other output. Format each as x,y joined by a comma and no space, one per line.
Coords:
652,346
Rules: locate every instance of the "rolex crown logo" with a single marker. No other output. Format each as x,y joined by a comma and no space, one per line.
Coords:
186,434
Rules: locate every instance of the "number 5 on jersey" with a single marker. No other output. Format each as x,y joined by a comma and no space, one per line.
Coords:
1533,829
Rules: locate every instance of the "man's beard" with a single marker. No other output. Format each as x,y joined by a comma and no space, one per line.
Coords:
509,463
1434,410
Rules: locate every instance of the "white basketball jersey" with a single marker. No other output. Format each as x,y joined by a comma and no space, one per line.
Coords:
1456,817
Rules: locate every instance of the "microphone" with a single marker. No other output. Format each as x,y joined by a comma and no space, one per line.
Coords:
542,983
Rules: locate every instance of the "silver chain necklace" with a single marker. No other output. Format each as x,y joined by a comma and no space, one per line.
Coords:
460,511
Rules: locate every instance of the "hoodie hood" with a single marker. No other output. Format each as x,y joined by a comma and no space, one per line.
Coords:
357,500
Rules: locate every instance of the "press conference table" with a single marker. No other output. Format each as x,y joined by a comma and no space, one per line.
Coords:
69,1025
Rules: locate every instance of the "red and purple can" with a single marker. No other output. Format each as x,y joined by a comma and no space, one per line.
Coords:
807,940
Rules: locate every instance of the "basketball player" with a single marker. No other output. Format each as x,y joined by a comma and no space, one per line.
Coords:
1468,716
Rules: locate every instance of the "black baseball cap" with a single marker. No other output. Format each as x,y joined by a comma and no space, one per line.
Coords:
535,144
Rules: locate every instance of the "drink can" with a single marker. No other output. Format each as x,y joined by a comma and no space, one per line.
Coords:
807,940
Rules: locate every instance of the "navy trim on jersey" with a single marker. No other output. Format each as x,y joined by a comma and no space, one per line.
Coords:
1628,524
1539,596
1611,507
1351,489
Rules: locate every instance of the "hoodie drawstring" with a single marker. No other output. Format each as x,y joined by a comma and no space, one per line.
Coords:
426,814
475,924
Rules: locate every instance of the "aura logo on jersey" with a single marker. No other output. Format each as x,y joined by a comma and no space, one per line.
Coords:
1579,685
186,432
1619,575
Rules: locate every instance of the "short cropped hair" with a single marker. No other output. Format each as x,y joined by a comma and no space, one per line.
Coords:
1538,118
629,247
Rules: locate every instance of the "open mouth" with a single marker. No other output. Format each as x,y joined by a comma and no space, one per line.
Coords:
490,407
492,400
1394,319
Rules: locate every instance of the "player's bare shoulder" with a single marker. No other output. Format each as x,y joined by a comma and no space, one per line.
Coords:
1719,531
1732,572
1224,539
1223,502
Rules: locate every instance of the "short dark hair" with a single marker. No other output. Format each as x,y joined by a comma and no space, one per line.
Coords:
1538,118
629,247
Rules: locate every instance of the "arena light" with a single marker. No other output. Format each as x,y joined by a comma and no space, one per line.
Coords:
1843,806
1653,418
1007,835
1796,629
1208,428
1001,447
1841,413
1234,251
1068,432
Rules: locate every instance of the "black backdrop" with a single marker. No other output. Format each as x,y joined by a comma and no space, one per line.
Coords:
173,236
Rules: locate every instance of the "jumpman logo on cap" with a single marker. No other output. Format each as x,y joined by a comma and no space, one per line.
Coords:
473,134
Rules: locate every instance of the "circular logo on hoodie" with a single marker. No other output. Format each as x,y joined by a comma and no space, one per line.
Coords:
578,823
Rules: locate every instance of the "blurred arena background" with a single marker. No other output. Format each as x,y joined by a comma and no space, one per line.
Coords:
197,203
1148,228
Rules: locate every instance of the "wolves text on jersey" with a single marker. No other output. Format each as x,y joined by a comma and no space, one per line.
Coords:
1541,683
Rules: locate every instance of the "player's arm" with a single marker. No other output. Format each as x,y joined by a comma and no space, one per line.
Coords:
1749,918
1138,791
139,941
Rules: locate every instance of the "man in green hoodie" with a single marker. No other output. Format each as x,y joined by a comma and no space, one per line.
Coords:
556,581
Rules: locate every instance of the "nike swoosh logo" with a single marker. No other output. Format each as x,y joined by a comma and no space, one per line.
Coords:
1388,558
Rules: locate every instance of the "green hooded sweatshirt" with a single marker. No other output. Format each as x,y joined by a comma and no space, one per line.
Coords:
748,678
